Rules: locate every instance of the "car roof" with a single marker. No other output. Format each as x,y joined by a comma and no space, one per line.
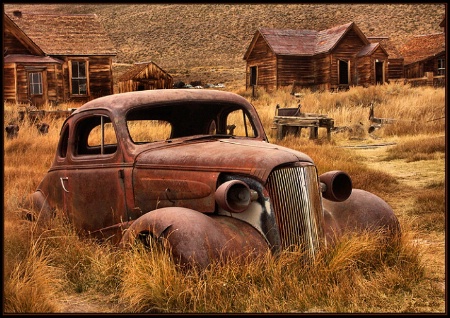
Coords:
121,103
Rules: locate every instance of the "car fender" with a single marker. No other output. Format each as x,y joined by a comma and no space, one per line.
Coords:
197,239
42,212
361,211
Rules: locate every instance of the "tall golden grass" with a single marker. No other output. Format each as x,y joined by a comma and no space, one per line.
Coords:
45,267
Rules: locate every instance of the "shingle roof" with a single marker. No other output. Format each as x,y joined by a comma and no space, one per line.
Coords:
290,42
422,47
305,42
65,34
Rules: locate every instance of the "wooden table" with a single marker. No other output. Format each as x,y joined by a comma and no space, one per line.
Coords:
294,124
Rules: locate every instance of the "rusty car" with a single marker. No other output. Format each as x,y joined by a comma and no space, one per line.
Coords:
194,169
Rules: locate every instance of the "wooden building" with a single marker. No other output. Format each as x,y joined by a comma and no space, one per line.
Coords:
144,76
53,58
424,54
338,57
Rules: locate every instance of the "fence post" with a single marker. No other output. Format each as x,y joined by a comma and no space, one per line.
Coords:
429,76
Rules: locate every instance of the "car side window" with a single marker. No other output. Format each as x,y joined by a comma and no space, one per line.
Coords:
238,124
95,135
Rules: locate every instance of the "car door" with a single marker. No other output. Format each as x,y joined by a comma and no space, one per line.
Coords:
94,180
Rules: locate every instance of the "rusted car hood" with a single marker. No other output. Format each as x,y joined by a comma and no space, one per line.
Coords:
244,156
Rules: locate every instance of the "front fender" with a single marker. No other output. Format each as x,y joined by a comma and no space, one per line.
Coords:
361,211
197,239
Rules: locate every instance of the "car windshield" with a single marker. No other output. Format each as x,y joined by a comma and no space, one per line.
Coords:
169,121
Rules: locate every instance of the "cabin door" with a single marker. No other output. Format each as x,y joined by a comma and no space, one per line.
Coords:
343,72
379,74
37,87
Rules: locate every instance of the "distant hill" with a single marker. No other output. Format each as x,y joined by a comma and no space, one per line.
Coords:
207,42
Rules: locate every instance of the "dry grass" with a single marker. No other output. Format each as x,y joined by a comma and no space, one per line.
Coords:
43,269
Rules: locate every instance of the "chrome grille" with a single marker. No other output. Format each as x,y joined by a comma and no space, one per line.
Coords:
297,204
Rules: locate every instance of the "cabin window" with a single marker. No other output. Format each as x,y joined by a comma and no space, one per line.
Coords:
35,82
441,67
79,77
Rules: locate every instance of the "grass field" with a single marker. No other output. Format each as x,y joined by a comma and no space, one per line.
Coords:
55,271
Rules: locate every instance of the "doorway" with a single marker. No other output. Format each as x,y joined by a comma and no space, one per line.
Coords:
379,73
343,72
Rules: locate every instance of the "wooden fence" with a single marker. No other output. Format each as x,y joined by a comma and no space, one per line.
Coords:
428,80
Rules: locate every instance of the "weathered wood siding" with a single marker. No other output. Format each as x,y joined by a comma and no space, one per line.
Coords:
322,71
9,82
295,68
395,69
266,62
100,76
55,84
364,71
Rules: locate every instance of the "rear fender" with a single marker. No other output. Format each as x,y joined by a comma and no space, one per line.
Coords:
43,213
197,239
361,211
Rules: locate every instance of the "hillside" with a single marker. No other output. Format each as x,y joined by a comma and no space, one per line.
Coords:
207,42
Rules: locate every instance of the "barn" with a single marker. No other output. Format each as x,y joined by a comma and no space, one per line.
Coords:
144,76
334,58
54,58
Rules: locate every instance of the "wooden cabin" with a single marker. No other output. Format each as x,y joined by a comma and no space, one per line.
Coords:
54,58
338,57
144,76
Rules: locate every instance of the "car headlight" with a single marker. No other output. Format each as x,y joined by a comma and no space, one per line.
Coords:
235,196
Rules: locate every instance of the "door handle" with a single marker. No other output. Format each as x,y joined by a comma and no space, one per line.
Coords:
62,183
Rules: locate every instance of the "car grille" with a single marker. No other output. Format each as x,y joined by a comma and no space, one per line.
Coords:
297,204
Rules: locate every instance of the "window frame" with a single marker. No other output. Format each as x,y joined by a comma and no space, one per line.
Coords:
32,85
441,66
79,78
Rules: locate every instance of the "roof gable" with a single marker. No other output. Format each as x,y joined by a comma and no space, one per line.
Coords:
368,49
139,67
65,34
388,45
19,35
422,47
329,38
